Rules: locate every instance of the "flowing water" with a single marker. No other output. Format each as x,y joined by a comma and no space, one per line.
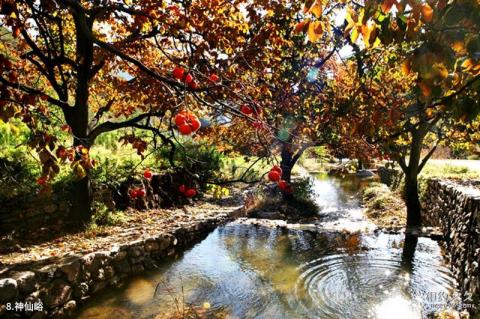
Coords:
246,271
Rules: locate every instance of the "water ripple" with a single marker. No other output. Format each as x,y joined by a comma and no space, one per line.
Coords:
355,286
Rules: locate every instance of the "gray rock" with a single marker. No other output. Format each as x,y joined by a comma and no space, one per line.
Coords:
39,315
3,310
269,215
137,269
58,294
69,308
81,290
99,285
26,281
72,271
136,251
122,267
109,272
8,289
151,245
120,255
94,261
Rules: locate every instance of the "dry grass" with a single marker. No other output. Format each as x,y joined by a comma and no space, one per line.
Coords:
384,207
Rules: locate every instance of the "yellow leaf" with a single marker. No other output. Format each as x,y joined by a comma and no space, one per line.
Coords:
467,64
350,16
440,70
316,9
369,33
225,192
406,67
79,171
458,46
354,35
315,31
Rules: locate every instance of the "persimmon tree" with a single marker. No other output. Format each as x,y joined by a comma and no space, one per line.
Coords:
289,89
91,67
416,78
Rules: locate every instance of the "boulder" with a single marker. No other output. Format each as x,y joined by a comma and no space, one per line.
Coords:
57,294
8,289
26,281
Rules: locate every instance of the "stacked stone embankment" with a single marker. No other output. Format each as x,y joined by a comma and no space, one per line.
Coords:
54,288
454,206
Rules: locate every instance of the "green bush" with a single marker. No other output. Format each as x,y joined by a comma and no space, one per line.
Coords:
103,216
112,172
303,188
17,176
249,168
200,159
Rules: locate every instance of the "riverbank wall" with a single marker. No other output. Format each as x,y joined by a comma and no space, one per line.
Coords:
54,288
454,207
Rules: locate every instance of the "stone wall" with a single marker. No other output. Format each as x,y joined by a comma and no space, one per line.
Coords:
32,215
29,215
60,285
390,176
454,206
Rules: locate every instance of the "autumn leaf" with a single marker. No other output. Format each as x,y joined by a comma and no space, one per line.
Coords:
369,33
315,30
458,46
406,67
427,12
354,35
308,5
316,9
301,26
440,70
387,5
425,89
468,64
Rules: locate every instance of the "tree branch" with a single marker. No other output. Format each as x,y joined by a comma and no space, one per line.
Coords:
428,156
111,126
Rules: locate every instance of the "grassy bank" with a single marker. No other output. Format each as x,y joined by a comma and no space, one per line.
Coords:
383,206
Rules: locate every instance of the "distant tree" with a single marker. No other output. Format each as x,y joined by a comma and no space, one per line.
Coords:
413,80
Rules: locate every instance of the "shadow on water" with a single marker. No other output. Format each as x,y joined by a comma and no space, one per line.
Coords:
248,271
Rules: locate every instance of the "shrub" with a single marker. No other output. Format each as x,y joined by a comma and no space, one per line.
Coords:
103,216
17,176
112,172
203,160
303,188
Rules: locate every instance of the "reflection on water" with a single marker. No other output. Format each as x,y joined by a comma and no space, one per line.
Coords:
254,272
247,271
338,199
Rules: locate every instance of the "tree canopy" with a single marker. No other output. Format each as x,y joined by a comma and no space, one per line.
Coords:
369,79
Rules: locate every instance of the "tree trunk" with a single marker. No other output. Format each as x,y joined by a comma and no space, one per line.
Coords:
81,199
360,165
287,163
414,217
78,119
408,253
412,200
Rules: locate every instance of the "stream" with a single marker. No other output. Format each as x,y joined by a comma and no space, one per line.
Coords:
242,270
